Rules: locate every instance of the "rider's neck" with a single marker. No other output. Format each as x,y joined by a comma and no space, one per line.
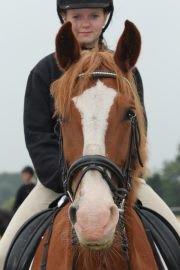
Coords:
89,46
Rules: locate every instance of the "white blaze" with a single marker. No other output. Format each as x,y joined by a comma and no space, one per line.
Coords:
94,105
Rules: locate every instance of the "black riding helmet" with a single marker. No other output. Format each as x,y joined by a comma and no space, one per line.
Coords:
70,4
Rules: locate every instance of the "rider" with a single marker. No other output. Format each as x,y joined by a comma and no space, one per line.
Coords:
89,19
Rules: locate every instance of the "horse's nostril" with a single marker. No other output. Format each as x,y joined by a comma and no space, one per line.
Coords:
72,214
113,210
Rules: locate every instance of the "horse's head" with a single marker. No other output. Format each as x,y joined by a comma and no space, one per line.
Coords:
102,121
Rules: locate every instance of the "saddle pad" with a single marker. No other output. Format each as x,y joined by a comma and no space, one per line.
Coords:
162,235
23,247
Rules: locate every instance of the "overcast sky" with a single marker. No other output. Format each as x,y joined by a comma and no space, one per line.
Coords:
28,30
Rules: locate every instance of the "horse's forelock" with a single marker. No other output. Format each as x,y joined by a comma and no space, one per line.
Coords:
68,85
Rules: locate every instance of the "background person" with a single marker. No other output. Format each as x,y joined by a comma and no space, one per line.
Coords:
28,183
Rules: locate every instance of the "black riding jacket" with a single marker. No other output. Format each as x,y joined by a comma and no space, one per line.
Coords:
41,139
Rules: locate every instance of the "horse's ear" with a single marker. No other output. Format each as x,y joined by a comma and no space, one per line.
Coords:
67,47
128,48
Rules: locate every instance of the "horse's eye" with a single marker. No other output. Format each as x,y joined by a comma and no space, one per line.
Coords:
131,114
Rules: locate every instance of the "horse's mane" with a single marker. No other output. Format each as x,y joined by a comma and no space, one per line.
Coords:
69,85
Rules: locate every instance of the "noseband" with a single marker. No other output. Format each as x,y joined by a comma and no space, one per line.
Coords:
105,167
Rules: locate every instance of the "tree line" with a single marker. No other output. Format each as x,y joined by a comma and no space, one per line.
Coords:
166,182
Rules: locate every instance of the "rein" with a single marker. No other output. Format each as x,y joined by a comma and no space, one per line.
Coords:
105,167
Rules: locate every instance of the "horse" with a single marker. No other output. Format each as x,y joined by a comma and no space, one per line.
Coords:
103,147
4,221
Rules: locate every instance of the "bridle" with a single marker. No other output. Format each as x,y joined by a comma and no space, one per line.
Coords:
98,162
105,167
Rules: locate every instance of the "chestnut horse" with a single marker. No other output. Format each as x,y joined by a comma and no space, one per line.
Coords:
104,146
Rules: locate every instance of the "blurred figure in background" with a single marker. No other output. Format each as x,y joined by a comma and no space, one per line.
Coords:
28,180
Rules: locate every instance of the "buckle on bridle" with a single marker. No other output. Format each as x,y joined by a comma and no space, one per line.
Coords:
121,208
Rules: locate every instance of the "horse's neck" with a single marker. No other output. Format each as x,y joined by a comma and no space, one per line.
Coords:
62,255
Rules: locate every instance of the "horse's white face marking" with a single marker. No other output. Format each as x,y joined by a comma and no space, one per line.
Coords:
94,105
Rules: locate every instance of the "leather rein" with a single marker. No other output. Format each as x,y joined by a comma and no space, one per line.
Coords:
105,167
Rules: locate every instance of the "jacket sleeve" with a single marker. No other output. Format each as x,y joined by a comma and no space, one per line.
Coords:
140,89
41,140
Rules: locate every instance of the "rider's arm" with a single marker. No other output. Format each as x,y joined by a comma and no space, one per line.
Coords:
41,141
140,89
